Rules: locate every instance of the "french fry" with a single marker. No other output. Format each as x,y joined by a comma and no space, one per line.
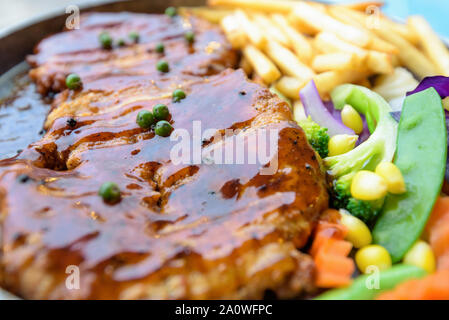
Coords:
431,43
320,21
268,6
376,22
290,86
254,33
327,42
363,6
261,64
287,61
327,81
380,62
299,43
231,27
271,29
403,30
246,66
300,26
299,113
409,55
334,61
341,13
377,44
211,15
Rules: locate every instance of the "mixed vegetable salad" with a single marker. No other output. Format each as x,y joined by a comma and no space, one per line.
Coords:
386,172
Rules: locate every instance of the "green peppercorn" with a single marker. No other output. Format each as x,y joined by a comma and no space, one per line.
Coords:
171,11
145,119
163,128
160,48
190,36
178,95
134,36
105,40
73,81
160,112
110,192
163,66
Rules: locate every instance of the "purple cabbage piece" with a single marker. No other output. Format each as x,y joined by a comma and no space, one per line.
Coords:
315,108
439,83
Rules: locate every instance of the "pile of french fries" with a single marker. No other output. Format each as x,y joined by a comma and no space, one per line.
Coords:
287,43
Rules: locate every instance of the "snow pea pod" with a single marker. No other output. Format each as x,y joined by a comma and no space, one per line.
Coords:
421,157
369,286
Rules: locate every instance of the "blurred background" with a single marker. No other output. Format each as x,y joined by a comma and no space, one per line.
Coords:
16,11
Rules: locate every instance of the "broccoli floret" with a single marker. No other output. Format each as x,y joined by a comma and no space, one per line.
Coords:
380,147
367,211
317,136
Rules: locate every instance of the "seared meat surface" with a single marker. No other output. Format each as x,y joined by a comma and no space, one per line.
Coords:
191,230
80,51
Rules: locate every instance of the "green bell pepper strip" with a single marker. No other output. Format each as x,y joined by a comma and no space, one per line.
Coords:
421,157
364,287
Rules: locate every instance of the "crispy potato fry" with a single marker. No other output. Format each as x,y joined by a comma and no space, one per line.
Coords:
290,86
327,42
320,21
300,26
364,83
261,64
374,23
431,43
377,44
409,55
271,29
253,32
327,81
380,62
363,6
287,61
268,6
234,33
401,29
334,61
212,15
246,66
299,43
299,113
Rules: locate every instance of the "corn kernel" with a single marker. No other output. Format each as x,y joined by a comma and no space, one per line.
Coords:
358,233
373,255
393,177
421,255
341,144
368,186
352,119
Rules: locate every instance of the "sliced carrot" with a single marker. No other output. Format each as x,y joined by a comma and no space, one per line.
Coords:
437,230
433,287
330,252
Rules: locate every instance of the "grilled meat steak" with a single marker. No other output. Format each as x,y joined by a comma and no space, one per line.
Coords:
80,51
189,230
